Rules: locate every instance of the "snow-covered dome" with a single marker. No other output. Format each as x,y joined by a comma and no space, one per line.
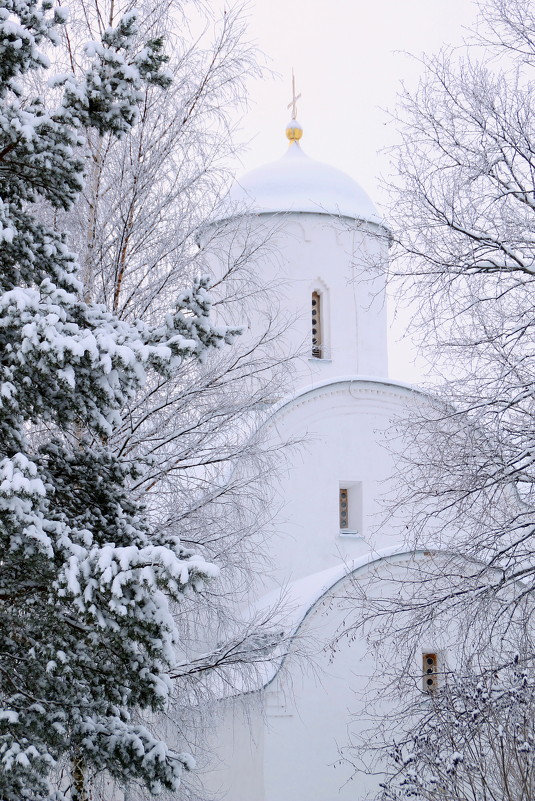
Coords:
297,183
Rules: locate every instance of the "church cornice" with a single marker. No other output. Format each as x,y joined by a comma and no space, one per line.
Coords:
357,386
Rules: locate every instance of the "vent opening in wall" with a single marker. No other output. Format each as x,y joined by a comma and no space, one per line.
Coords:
316,326
430,669
350,508
344,510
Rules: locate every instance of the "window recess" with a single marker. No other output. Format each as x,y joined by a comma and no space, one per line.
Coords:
350,509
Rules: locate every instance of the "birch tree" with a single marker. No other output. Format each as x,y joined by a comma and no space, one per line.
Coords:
474,740
464,226
144,212
463,229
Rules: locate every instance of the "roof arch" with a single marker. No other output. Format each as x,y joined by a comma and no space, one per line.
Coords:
303,595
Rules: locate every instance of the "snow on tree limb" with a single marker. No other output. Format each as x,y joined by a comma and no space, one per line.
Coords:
85,588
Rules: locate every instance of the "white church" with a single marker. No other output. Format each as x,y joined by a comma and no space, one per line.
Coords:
282,742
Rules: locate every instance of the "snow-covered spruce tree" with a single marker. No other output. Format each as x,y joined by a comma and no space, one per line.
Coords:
86,633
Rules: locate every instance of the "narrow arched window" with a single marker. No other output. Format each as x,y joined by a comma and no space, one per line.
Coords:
316,326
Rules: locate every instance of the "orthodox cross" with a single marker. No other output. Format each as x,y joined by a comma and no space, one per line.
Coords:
295,98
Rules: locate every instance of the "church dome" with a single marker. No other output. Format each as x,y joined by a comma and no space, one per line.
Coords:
297,183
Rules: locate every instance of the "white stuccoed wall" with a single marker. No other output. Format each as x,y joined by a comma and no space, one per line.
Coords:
343,259
345,427
287,741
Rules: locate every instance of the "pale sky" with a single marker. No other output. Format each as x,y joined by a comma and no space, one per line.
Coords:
349,57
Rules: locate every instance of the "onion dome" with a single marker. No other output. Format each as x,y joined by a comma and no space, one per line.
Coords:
297,183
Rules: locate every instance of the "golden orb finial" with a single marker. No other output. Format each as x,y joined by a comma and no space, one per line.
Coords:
294,132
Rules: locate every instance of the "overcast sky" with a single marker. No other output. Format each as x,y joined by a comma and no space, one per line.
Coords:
349,57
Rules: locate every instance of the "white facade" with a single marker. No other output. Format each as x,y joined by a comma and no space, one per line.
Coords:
327,244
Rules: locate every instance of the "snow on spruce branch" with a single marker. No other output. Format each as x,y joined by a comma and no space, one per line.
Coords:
86,586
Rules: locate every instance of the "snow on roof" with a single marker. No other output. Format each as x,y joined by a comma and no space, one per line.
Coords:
301,595
297,183
297,599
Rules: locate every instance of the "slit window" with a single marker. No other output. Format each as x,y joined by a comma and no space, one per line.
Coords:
430,669
316,326
344,509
